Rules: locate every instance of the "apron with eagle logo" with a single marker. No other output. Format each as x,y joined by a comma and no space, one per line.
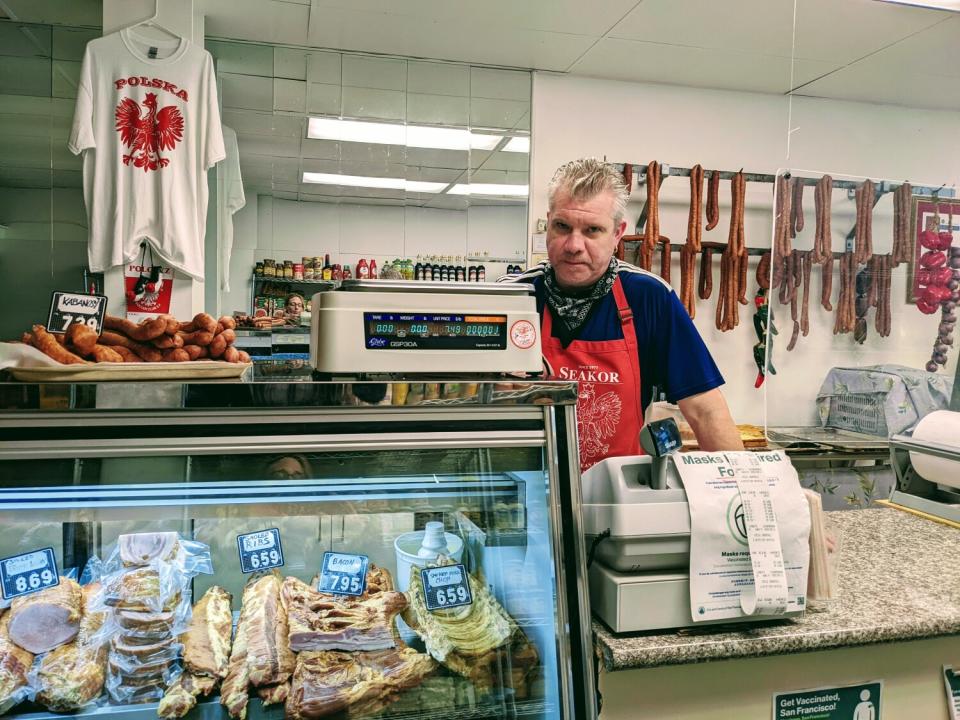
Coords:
609,412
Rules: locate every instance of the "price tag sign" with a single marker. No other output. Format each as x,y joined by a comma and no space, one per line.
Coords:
69,308
446,587
28,573
260,550
343,574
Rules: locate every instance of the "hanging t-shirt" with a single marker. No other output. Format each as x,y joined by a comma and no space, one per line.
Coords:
231,199
148,125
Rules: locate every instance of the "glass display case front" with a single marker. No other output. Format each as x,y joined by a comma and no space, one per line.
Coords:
398,566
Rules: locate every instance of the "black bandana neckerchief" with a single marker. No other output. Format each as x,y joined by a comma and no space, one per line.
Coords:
571,312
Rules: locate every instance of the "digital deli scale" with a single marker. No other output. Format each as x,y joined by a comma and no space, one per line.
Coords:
636,515
376,327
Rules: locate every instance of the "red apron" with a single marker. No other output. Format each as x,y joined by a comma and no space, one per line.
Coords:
609,412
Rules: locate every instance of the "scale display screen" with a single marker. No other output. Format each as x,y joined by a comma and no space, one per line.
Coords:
418,331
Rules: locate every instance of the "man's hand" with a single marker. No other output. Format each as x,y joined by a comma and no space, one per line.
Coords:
710,420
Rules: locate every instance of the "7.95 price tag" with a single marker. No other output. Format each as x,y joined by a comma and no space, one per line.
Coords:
28,573
69,308
260,550
343,574
446,587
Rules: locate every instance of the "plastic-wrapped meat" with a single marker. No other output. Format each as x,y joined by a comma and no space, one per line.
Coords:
42,621
15,663
73,674
138,549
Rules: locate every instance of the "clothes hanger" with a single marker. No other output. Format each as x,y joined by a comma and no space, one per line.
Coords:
154,21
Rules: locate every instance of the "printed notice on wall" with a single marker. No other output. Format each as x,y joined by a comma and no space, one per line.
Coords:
749,534
851,702
951,679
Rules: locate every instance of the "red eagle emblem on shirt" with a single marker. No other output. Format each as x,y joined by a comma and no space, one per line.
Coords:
146,134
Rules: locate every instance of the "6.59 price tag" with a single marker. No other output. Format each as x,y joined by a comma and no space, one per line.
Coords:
446,587
343,574
260,550
28,573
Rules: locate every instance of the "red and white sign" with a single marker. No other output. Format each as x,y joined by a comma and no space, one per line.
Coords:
523,334
155,298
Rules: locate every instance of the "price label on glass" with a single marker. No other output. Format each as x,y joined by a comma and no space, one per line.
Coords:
446,587
28,573
343,574
260,550
69,308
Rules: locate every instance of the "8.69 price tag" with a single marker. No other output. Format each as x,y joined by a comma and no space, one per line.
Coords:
260,550
28,573
446,587
343,574
69,308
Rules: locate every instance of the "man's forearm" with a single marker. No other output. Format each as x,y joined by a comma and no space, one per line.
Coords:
710,420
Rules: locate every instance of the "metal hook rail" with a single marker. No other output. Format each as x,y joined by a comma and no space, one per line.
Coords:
882,187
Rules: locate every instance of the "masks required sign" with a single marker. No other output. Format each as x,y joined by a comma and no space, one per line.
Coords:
853,702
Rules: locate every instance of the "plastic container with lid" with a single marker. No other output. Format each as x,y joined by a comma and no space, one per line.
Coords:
417,548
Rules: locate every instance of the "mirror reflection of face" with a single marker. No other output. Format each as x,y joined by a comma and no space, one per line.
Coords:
286,468
295,305
581,238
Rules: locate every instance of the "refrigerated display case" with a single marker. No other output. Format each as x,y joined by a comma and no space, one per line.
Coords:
335,468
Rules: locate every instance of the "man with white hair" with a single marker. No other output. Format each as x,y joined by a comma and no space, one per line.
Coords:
619,330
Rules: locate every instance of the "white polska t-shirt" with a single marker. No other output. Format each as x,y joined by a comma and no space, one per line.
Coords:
148,125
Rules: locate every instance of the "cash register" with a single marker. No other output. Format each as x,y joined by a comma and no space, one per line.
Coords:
637,523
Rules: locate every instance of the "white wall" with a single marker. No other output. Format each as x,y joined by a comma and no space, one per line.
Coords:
635,122
288,230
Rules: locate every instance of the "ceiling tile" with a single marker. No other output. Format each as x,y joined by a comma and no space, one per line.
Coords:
246,92
871,81
560,16
290,63
372,72
759,26
438,109
374,104
827,30
260,20
242,58
438,78
697,67
846,31
935,50
493,42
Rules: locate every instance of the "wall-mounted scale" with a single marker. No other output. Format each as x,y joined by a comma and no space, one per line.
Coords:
386,327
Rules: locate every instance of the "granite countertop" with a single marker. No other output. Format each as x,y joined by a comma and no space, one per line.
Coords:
898,581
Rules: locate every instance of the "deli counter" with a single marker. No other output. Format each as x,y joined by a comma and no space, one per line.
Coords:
213,484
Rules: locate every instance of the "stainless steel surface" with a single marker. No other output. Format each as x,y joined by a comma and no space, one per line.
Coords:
103,503
826,437
285,393
428,286
559,566
579,561
903,442
109,447
926,505
384,414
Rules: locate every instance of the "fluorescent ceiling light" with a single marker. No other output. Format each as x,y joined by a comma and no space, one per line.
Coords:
373,182
518,144
489,189
952,5
418,136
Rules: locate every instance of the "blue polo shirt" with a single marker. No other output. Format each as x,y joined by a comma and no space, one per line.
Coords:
673,356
